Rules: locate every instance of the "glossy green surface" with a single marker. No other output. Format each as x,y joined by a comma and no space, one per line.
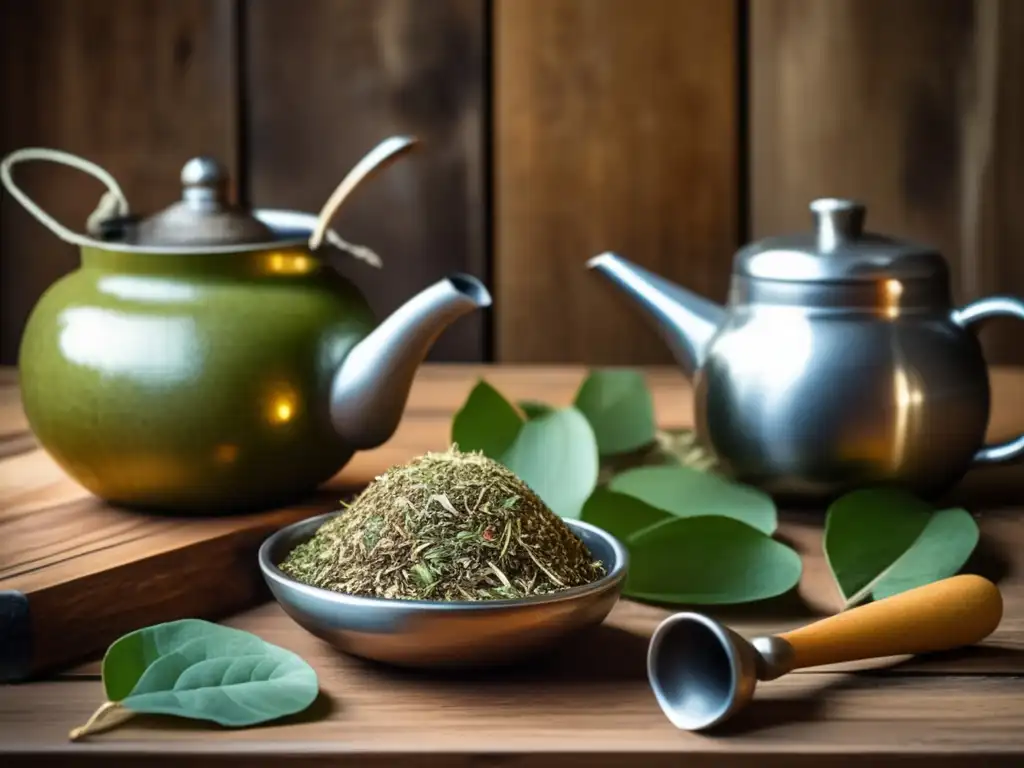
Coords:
192,382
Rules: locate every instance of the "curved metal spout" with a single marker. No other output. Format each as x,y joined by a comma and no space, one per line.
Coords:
371,388
686,321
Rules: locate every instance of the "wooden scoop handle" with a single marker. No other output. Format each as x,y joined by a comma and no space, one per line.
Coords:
958,611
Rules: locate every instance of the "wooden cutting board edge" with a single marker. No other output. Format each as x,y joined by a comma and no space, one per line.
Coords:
68,621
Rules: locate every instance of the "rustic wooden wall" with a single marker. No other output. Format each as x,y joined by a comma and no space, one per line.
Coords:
914,106
669,130
615,129
291,95
328,79
138,87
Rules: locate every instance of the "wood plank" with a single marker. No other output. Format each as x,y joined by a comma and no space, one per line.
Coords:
72,555
913,106
355,73
591,700
615,128
540,753
586,704
816,597
137,87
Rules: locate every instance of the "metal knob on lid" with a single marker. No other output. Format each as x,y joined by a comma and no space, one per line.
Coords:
839,248
837,221
204,180
204,215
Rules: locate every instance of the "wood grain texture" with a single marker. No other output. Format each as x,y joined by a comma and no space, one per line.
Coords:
138,87
328,81
579,705
73,556
912,106
587,704
615,129
92,572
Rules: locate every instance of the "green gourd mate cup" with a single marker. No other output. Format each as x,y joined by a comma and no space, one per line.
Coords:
208,359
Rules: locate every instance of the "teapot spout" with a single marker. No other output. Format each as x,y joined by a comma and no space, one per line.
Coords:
370,390
686,321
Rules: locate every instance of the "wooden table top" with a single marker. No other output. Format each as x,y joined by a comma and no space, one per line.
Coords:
588,704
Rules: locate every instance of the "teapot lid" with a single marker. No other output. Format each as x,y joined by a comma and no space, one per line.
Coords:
204,216
838,250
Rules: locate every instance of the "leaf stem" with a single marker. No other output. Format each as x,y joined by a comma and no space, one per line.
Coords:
110,714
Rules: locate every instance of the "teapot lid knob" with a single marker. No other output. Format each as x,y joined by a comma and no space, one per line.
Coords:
837,221
203,179
839,249
204,215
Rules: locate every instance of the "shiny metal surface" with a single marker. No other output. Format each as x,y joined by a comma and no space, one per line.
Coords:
974,316
205,173
701,672
838,248
775,657
204,215
837,222
370,390
817,402
836,374
429,634
685,321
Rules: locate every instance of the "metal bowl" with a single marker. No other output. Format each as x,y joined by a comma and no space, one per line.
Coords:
434,634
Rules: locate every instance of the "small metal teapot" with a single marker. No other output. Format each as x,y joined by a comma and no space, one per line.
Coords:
208,358
838,362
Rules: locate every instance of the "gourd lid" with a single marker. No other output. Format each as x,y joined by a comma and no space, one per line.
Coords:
838,250
204,216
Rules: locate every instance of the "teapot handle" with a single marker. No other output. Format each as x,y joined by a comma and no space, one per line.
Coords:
974,314
377,159
112,204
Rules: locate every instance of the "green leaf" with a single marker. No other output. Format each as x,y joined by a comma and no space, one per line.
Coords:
690,492
866,531
619,407
532,409
556,455
940,551
709,560
203,671
880,542
620,515
487,422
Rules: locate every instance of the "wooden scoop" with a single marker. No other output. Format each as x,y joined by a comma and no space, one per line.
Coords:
702,672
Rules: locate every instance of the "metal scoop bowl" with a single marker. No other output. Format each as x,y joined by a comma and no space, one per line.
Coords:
702,672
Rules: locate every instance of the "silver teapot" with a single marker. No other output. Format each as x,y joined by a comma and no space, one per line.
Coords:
838,362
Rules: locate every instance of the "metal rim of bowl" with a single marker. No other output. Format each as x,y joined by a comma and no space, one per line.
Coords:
275,574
